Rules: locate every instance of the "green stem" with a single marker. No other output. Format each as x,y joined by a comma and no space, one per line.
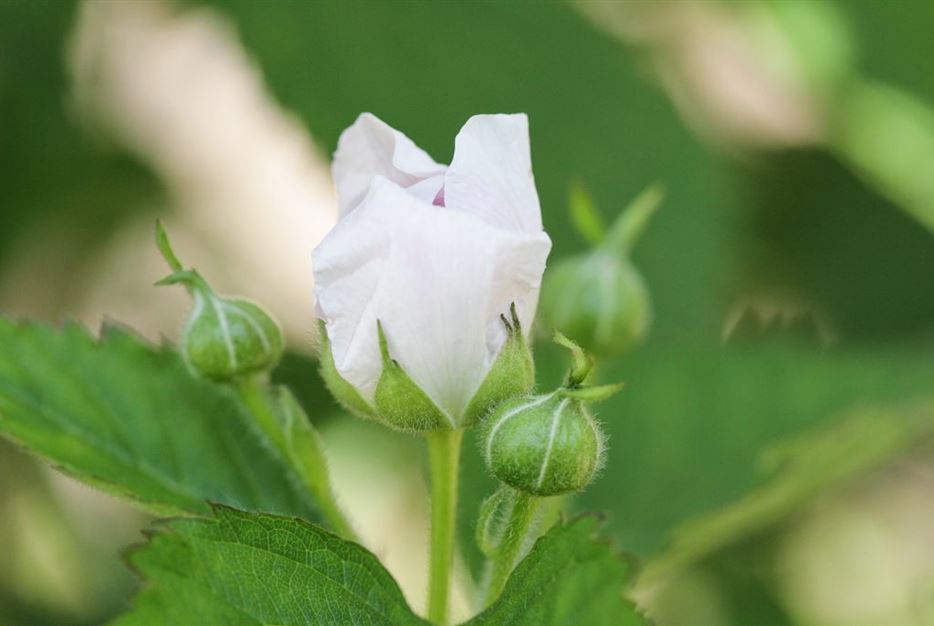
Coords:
515,534
299,444
444,449
264,416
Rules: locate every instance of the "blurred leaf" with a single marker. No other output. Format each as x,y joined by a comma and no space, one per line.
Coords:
301,375
50,171
56,571
726,560
123,416
823,236
804,468
890,36
243,569
569,577
685,435
888,136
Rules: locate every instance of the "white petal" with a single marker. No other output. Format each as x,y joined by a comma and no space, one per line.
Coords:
369,148
491,173
437,280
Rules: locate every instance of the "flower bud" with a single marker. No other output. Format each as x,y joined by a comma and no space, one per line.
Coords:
433,255
545,445
223,338
548,444
598,298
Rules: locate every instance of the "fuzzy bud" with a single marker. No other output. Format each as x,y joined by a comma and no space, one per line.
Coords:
223,338
598,298
548,444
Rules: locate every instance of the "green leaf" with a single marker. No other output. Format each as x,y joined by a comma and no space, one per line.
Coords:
569,577
805,468
239,568
129,418
685,436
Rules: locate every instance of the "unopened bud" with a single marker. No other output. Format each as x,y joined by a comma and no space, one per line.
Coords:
598,298
223,338
548,444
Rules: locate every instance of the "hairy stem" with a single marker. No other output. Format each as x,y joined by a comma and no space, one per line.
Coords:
444,449
515,534
303,451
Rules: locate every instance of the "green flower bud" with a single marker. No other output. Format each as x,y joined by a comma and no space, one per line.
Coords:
598,298
545,445
223,338
548,444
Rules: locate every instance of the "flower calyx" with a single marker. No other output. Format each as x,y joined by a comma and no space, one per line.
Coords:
400,403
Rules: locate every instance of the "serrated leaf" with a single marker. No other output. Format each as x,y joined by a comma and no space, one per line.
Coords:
569,577
250,569
129,418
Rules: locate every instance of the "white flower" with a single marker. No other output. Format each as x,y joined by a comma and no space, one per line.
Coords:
435,253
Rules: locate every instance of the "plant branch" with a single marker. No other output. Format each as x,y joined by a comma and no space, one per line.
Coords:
444,461
299,443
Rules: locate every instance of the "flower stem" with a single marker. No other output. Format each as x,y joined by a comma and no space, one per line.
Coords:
444,449
300,445
515,535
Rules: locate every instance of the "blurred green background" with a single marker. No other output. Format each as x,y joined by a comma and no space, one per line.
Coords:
770,457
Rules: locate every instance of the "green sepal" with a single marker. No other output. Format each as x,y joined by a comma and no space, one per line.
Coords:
591,394
512,374
584,214
581,362
402,404
342,391
165,248
189,278
488,532
628,227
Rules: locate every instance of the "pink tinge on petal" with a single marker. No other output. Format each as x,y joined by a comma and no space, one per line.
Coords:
439,198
